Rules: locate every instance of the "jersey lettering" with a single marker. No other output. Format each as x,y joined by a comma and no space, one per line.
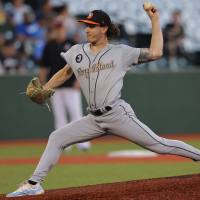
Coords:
95,68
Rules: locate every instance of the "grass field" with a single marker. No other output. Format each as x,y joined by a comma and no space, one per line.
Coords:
62,176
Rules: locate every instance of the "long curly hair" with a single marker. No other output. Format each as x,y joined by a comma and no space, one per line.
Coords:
113,31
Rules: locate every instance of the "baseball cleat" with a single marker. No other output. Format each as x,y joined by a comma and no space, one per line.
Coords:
26,189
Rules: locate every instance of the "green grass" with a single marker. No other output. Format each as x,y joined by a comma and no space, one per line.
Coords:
62,176
37,151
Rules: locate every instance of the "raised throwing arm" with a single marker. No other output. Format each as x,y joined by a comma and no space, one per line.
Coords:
156,48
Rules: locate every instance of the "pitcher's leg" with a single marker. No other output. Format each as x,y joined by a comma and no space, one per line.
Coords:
74,104
132,129
81,130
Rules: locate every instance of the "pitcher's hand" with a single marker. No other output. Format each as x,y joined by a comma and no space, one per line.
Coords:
152,12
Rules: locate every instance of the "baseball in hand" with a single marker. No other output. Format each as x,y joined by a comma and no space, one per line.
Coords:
147,5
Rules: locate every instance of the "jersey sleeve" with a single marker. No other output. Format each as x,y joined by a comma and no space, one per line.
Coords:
130,56
67,56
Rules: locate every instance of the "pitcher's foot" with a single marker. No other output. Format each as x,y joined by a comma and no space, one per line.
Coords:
27,189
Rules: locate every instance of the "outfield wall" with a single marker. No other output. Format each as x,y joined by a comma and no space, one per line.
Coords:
166,102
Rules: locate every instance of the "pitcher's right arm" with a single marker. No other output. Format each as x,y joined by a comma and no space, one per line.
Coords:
59,78
156,48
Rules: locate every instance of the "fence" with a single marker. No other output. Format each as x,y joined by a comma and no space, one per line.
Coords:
166,102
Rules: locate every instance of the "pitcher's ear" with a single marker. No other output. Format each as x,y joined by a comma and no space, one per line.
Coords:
104,29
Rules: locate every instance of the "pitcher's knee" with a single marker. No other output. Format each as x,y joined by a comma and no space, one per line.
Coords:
162,149
55,139
159,149
53,136
54,142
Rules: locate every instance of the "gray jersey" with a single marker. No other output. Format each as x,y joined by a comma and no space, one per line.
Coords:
101,75
101,78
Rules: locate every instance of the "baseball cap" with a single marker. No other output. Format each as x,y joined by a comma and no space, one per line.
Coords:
98,17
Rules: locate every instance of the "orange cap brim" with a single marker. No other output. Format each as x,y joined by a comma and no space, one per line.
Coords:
88,22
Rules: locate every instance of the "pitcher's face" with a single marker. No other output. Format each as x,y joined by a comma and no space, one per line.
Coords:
93,33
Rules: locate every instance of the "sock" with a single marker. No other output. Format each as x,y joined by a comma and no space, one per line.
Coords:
32,182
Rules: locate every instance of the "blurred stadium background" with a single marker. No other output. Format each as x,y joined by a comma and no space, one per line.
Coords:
163,93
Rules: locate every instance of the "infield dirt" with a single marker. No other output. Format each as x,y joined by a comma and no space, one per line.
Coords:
170,188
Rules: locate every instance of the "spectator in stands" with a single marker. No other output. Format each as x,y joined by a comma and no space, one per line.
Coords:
79,36
2,43
6,23
39,46
10,61
173,38
29,33
70,23
29,29
7,28
2,14
75,31
18,10
44,14
49,34
68,96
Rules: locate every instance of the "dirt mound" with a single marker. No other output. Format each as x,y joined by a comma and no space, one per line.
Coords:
177,187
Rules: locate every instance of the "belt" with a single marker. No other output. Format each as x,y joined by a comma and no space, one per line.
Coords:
99,113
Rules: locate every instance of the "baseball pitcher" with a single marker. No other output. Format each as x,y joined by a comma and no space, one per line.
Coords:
100,68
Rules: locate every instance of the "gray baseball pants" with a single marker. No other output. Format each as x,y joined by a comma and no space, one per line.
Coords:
120,121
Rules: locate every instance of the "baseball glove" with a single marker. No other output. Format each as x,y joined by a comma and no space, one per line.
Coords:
37,94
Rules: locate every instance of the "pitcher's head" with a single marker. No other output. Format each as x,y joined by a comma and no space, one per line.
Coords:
99,25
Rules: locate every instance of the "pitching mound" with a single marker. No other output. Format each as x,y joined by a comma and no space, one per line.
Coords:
178,187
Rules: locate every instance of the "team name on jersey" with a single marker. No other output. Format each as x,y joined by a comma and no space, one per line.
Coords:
95,68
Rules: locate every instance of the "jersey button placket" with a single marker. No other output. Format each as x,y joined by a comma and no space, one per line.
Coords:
92,91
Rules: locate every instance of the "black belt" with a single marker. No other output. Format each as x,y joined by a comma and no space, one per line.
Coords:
98,112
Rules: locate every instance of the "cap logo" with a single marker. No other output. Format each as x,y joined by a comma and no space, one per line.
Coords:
103,22
90,16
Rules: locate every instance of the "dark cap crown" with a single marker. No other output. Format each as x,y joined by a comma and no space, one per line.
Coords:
98,17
